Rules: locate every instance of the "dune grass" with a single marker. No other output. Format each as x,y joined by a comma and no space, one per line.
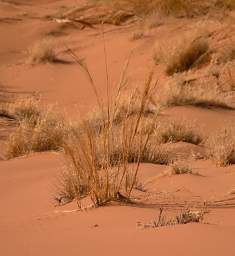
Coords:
176,8
201,94
101,162
221,147
42,52
38,130
172,132
185,53
179,169
184,217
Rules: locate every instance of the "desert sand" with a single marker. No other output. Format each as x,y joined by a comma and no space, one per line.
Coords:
31,223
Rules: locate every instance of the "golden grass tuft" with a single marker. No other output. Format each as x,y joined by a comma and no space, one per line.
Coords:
137,35
25,109
37,130
105,153
42,52
179,169
221,147
145,7
184,54
174,7
172,132
184,217
179,93
100,161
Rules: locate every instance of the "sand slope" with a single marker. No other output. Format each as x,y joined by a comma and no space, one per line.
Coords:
30,223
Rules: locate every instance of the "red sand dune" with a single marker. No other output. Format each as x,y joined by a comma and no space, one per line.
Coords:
30,223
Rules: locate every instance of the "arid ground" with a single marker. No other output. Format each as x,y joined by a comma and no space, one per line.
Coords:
172,71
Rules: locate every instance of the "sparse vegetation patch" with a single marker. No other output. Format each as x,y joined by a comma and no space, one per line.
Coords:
221,147
184,54
42,52
186,216
178,93
37,130
172,132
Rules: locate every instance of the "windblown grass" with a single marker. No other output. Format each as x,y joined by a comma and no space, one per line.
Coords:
137,35
172,132
100,162
178,93
42,52
221,147
25,109
145,7
177,8
184,217
37,130
182,55
179,169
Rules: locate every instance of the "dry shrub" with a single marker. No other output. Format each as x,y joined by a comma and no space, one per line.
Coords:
42,52
137,35
138,7
145,7
172,132
178,93
230,4
46,132
127,107
100,160
183,54
174,7
25,109
184,217
177,168
221,147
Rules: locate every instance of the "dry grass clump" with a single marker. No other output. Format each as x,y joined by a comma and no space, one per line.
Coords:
25,109
122,10
199,95
145,7
178,169
99,161
226,4
221,147
137,35
127,107
172,132
37,131
42,52
184,54
166,7
174,7
184,217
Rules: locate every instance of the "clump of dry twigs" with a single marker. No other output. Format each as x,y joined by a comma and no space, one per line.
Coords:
186,216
